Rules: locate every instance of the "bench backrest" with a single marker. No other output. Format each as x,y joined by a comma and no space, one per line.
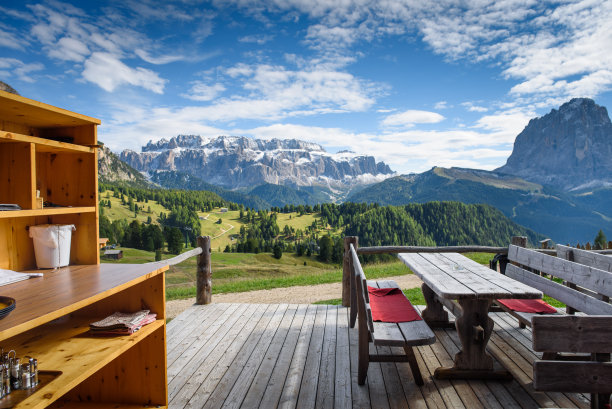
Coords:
573,334
364,312
587,277
600,261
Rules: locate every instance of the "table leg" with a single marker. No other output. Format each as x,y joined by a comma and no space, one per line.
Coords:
474,328
434,314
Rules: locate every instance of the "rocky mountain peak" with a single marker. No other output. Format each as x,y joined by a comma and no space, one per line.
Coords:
237,161
568,148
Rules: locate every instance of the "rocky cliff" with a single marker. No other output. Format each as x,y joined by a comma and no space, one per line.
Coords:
569,148
112,170
236,162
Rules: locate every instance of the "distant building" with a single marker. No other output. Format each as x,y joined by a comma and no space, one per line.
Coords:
102,242
113,254
223,210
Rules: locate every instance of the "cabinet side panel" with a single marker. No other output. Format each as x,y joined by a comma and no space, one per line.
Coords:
84,248
138,376
16,174
67,179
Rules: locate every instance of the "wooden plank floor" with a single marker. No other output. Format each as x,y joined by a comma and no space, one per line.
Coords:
305,356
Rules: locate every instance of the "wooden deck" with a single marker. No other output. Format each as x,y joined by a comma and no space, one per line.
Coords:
305,356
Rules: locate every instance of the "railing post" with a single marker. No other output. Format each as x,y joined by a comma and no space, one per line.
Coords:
347,282
520,241
204,272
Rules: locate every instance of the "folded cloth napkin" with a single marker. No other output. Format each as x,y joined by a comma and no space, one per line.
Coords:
534,306
390,305
123,329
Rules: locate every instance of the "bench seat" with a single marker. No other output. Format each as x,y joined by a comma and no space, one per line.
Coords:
412,333
402,334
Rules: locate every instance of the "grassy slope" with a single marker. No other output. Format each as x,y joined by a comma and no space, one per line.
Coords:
119,211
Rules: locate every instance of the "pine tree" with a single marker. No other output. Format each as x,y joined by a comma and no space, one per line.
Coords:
600,240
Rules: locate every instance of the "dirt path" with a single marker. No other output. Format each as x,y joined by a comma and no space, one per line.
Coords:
294,295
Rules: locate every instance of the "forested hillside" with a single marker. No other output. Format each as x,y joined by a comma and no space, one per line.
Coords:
303,229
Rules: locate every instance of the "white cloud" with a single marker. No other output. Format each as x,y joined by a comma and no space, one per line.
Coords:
164,59
69,49
12,67
10,39
473,108
108,72
411,117
202,92
259,39
553,49
441,105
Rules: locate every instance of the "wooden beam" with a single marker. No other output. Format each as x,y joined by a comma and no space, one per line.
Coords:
204,273
422,249
585,377
572,333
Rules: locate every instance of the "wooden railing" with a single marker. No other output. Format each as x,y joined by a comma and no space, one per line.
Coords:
204,268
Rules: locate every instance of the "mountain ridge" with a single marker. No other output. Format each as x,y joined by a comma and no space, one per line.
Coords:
235,162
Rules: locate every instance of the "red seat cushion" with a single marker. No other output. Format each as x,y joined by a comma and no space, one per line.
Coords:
535,306
390,305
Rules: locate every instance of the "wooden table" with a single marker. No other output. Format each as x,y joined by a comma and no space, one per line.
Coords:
467,289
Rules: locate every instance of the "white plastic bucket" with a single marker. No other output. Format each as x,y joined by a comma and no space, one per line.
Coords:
52,244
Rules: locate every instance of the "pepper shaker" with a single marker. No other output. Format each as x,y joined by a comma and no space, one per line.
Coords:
25,376
16,374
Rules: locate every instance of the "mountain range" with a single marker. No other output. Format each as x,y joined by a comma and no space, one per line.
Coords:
557,181
235,162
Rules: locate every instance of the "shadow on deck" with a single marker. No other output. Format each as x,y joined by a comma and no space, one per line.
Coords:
271,355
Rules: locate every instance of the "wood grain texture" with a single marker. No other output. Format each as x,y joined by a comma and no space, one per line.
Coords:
18,109
566,295
204,272
348,295
387,385
66,290
591,377
572,333
574,272
589,258
45,145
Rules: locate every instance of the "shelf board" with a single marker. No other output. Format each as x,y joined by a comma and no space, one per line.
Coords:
47,211
61,343
98,405
43,144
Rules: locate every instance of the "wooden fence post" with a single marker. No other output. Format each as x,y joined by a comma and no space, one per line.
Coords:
520,241
204,272
347,282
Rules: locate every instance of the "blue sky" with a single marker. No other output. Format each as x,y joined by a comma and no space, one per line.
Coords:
416,84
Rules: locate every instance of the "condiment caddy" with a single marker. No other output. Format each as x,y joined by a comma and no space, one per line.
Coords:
16,374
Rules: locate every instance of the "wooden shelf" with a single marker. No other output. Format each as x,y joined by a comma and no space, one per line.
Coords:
47,211
43,144
67,346
68,289
90,405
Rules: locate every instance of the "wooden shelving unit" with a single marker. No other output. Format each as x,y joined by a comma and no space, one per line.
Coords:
65,174
53,312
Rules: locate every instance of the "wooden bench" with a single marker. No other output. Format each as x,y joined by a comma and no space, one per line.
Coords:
403,334
588,286
575,334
